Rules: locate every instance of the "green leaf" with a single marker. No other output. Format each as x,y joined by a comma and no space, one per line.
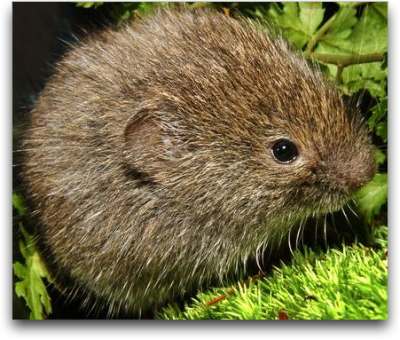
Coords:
341,26
372,197
367,35
381,131
32,276
123,11
298,21
370,33
380,156
377,122
311,15
18,204
94,4
349,36
146,8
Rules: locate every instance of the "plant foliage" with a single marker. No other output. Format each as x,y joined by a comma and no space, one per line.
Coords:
32,275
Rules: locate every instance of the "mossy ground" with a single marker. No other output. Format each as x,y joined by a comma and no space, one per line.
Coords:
349,283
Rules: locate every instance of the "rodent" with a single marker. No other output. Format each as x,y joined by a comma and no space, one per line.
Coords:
162,155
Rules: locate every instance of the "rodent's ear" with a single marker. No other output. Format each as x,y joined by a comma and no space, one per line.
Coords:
142,133
147,150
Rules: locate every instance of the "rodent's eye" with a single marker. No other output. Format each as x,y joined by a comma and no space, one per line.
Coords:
284,151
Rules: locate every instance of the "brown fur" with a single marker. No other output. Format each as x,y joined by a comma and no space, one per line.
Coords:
149,156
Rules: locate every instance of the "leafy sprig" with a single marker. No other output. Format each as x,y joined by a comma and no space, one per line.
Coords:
32,275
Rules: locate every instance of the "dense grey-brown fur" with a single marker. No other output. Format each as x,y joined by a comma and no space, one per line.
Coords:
149,154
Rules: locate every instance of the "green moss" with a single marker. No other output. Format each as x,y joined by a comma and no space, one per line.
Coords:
341,284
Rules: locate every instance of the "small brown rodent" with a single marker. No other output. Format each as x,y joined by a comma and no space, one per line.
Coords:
163,155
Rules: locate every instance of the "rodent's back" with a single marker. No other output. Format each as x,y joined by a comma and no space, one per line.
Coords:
149,154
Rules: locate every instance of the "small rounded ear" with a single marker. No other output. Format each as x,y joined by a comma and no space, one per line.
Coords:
144,147
149,149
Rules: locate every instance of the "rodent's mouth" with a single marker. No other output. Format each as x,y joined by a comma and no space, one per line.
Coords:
322,201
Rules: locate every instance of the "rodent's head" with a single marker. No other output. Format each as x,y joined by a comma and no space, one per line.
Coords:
236,126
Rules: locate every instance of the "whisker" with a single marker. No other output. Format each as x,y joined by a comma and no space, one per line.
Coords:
263,252
351,209
360,99
298,233
316,230
302,233
345,216
290,242
325,227
258,253
281,239
333,221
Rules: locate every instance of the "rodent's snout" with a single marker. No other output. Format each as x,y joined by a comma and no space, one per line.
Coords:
349,176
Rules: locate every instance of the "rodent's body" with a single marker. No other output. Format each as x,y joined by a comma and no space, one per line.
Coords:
149,157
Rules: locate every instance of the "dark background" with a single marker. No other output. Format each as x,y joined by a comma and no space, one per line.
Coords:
40,34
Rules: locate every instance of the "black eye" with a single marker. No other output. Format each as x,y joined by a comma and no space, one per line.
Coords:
284,151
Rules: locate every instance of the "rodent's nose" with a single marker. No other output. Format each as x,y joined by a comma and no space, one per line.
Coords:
354,183
350,176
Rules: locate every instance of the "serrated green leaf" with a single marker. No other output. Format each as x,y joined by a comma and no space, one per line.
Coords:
372,197
379,111
377,122
19,270
32,277
342,34
380,156
375,87
298,21
370,33
368,36
341,26
381,131
19,204
381,8
311,15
